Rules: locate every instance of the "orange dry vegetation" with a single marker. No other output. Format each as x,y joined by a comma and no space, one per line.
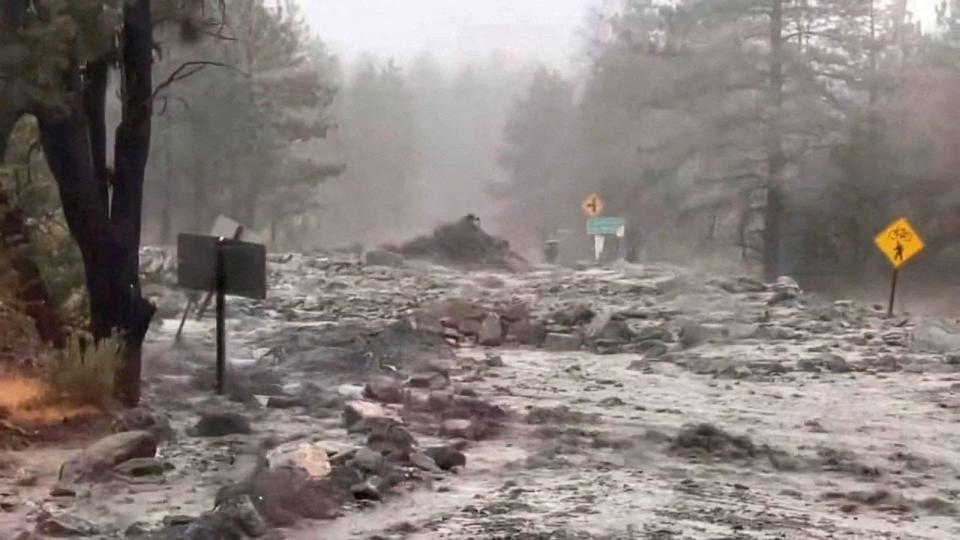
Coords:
22,400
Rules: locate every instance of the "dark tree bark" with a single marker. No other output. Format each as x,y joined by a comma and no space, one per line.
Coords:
776,160
107,231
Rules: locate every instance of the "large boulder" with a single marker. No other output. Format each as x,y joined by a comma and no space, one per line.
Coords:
96,462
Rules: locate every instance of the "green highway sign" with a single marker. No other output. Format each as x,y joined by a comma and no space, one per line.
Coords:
606,226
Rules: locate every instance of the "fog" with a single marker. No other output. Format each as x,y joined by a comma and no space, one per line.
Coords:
372,122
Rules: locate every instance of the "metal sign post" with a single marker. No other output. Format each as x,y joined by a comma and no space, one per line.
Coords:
228,267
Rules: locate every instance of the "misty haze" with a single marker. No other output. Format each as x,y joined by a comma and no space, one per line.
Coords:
460,269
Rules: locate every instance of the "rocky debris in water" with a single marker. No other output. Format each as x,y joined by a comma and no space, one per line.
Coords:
707,440
138,467
463,428
808,365
424,462
527,332
382,257
463,244
368,460
384,390
831,459
693,334
141,419
368,490
836,363
560,414
562,342
432,380
491,331
65,526
284,495
933,336
447,457
739,285
26,477
96,462
311,457
577,315
284,402
785,290
221,424
356,411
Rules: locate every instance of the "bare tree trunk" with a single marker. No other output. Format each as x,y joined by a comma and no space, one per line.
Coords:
131,152
776,160
108,231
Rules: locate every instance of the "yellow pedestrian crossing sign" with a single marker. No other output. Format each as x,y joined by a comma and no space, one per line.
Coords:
899,242
593,206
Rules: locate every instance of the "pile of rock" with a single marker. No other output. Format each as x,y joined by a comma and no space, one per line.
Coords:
461,244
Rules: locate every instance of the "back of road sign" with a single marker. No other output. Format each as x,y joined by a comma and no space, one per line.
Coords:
244,265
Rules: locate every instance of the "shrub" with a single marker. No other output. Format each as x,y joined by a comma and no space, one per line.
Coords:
84,372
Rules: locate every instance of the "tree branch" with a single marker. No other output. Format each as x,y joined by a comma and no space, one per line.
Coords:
188,69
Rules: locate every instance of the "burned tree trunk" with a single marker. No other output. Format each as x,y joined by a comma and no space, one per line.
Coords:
105,225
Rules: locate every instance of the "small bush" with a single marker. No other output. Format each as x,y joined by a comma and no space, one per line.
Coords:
84,373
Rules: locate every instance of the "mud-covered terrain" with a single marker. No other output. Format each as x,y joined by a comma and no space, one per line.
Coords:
627,402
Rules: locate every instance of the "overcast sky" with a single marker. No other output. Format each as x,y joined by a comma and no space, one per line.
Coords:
403,28
548,29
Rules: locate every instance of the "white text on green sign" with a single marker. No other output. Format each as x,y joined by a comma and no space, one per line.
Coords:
605,226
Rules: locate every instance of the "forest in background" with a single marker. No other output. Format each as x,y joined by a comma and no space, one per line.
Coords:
768,134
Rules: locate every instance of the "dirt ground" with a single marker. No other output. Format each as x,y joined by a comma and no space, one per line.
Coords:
763,414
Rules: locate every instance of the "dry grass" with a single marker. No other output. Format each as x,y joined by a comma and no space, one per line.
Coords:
84,373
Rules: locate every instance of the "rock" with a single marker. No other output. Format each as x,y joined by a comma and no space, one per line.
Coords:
140,419
897,338
462,428
578,315
368,460
494,360
384,390
836,363
244,514
25,477
785,289
432,380
527,332
61,490
732,371
653,349
96,462
221,425
65,526
141,467
491,331
446,457
808,365
562,342
356,411
391,439
284,495
692,335
311,457
368,490
739,285
423,461
932,336
654,333
382,257
284,402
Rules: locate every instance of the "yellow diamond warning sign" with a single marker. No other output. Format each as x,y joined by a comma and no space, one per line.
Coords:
593,206
899,242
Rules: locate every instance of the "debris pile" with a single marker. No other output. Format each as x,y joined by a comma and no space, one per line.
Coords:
462,244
